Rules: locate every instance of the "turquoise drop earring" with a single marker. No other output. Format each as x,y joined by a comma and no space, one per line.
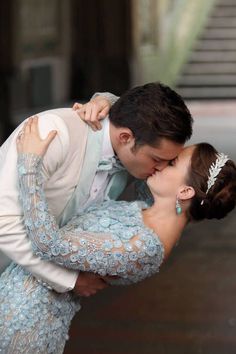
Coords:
178,207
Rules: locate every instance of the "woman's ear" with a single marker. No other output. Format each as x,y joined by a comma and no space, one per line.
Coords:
125,136
185,193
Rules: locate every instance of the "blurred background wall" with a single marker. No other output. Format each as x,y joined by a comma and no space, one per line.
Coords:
54,52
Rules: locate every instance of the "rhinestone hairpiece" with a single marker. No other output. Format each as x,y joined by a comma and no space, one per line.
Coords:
214,170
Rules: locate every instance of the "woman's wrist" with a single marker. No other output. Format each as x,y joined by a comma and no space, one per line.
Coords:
28,163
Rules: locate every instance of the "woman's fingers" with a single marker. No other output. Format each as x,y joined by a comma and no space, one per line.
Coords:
30,126
93,111
88,112
34,125
104,112
29,140
51,135
96,125
94,119
27,126
88,115
77,106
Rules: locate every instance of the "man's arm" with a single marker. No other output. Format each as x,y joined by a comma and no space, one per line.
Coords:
13,239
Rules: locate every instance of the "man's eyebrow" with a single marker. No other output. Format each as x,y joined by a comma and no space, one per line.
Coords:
175,158
161,159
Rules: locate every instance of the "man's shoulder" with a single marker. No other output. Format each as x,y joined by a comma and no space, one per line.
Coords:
59,112
63,116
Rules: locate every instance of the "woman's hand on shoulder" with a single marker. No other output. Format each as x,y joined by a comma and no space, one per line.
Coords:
29,140
93,111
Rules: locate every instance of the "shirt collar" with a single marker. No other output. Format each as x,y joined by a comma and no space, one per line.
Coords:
107,149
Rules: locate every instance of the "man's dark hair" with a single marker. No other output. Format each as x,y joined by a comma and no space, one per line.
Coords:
153,111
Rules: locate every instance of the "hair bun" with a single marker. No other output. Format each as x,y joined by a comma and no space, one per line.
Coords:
215,209
222,202
220,199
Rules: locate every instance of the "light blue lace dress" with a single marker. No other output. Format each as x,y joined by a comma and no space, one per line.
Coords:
108,239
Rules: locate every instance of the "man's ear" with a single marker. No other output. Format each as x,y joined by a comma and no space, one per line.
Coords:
185,193
125,136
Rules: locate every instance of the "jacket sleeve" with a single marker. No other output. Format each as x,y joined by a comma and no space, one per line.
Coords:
13,239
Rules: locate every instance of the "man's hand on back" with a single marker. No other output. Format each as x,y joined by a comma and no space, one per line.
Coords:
88,284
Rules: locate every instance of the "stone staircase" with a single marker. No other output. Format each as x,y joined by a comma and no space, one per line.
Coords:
211,70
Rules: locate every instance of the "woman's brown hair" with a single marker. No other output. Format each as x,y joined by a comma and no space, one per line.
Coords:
221,198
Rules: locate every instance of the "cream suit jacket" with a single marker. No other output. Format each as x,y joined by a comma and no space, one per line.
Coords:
61,171
69,167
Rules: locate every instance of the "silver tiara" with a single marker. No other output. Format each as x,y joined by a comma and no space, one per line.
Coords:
215,169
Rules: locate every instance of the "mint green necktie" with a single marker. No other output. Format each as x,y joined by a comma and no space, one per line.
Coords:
111,165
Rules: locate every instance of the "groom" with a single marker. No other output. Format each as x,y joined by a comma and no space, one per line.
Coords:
146,128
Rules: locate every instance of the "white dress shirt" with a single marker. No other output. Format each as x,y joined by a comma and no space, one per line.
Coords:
101,179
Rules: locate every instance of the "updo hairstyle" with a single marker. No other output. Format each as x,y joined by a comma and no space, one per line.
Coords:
221,197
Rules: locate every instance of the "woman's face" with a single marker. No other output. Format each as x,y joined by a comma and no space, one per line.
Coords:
167,182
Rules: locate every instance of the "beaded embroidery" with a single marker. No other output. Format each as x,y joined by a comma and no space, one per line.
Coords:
108,239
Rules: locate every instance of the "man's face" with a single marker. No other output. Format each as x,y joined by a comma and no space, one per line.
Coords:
165,183
142,162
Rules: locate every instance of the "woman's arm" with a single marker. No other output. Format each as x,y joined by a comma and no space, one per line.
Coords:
74,248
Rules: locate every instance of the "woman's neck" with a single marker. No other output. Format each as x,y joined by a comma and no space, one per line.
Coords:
163,220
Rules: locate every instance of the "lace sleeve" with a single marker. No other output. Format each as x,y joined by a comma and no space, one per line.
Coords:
109,96
71,246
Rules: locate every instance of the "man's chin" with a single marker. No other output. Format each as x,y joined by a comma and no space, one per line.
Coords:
144,176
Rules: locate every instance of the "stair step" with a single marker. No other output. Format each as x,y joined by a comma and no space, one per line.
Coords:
226,11
207,92
222,22
225,3
207,80
220,33
213,56
206,44
213,68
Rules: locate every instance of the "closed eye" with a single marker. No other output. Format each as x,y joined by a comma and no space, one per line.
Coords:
171,162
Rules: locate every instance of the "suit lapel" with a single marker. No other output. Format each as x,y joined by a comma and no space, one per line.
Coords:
91,159
90,163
